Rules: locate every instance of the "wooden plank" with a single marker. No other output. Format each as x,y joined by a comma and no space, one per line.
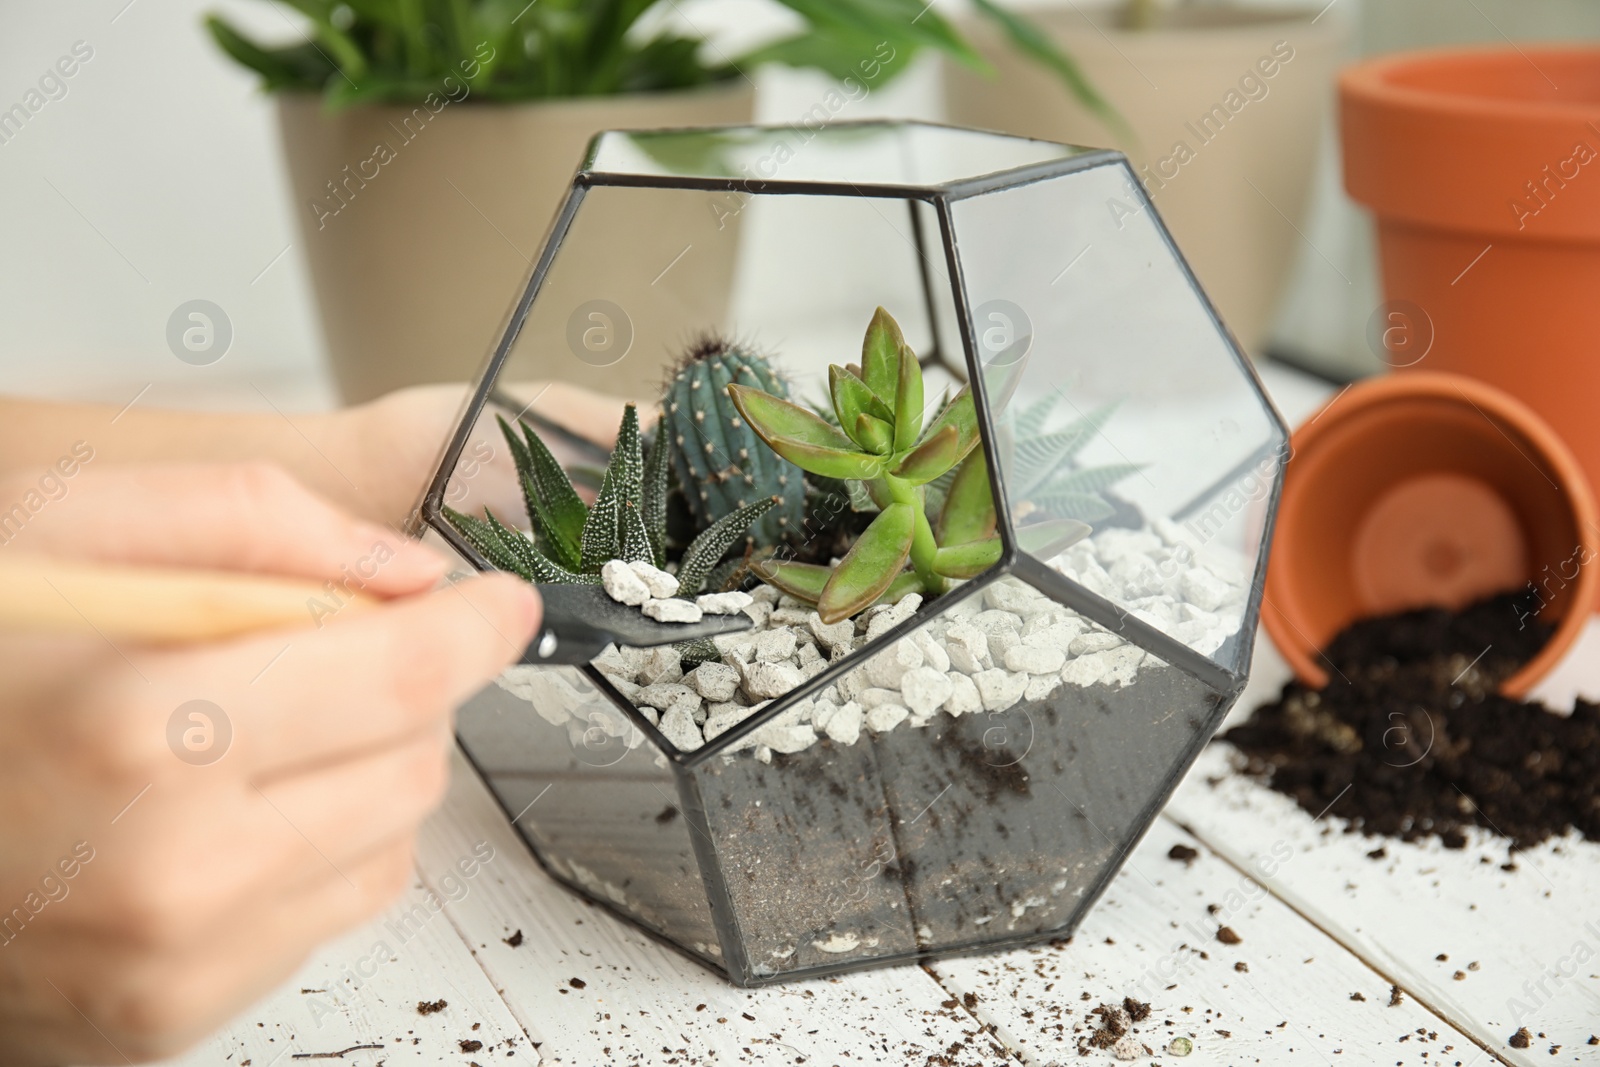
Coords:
1153,938
364,990
1525,942
642,1003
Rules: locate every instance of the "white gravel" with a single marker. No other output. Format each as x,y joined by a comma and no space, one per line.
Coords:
672,610
623,585
662,585
1008,644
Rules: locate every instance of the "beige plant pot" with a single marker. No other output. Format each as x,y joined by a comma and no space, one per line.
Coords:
1226,150
420,226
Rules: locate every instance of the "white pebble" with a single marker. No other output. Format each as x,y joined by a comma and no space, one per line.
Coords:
924,689
724,603
660,665
714,681
1204,590
877,698
887,668
886,717
724,716
1094,641
831,637
785,739
1041,686
1035,659
967,648
993,621
774,646
622,584
844,725
770,680
999,689
665,694
679,728
963,697
661,584
933,652
671,610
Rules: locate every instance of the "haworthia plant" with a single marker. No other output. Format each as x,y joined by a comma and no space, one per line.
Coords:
1040,468
881,442
571,540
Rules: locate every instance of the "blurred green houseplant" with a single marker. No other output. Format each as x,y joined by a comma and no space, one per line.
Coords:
399,51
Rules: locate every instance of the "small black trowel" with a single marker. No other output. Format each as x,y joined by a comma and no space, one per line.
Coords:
581,620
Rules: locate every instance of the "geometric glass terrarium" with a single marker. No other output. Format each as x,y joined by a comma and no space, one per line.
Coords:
959,770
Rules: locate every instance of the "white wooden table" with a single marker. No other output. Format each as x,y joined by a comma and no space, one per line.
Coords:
1470,951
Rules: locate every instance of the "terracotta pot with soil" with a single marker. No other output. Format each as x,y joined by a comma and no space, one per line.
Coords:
1429,490
1477,164
1224,105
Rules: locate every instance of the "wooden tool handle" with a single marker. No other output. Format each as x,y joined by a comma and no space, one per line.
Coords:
158,605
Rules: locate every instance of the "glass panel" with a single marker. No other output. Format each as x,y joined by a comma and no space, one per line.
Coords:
972,783
815,151
1119,402
593,797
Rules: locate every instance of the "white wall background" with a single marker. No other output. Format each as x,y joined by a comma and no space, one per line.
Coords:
157,180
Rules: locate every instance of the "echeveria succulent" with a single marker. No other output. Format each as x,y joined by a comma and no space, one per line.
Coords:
882,442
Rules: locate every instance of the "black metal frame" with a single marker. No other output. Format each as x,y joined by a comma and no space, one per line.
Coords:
1227,681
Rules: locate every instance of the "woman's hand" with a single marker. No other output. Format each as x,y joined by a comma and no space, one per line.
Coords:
164,862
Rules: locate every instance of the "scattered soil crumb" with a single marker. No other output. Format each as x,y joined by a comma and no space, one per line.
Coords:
470,1046
1228,935
1183,854
430,1007
1521,1039
1137,1010
1396,998
1412,740
1242,967
577,983
1357,996
515,940
1378,853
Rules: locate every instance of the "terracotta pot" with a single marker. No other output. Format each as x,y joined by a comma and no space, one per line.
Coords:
1485,179
1422,490
1199,164
420,227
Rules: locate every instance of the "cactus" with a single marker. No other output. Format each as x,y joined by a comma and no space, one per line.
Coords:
720,465
572,540
885,447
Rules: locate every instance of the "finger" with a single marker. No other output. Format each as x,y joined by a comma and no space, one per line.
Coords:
241,517
359,683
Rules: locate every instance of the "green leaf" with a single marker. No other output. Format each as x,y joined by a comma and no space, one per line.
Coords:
873,562
852,398
829,462
772,417
1032,420
653,497
556,511
534,565
968,560
873,434
1033,42
602,532
861,497
1038,459
704,551
1049,539
963,415
930,459
1086,507
635,544
968,514
908,402
803,581
481,536
880,356
1092,479
627,459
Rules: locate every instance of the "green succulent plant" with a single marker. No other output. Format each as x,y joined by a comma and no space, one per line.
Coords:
571,540
880,442
720,465
1041,472
357,51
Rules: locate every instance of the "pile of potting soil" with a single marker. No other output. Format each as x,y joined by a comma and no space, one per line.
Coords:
1411,739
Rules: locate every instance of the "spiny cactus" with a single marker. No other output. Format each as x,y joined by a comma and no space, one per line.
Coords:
884,446
572,540
720,464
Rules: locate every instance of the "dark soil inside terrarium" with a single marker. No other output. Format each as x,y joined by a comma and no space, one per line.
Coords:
1411,738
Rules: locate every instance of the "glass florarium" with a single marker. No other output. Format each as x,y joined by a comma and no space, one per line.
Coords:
946,417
